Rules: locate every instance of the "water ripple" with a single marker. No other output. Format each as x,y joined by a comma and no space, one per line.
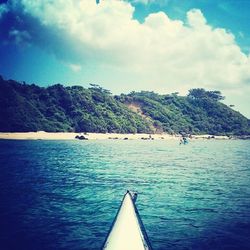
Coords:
64,194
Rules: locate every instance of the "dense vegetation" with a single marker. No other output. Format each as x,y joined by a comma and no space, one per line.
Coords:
198,113
31,108
56,108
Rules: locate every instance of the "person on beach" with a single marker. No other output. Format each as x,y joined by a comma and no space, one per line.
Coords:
185,141
181,141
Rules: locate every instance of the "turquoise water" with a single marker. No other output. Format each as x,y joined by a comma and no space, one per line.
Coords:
65,194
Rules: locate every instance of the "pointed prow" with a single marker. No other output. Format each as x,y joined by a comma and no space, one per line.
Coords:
127,230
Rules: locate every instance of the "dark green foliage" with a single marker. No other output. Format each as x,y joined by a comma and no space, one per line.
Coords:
203,94
198,113
57,108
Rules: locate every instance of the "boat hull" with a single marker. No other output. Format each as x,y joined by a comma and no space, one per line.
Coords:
127,231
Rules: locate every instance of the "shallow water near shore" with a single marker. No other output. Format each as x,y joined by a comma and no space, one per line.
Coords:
65,194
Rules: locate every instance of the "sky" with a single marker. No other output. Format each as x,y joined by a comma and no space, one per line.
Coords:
164,46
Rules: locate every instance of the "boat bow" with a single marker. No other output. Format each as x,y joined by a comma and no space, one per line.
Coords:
127,231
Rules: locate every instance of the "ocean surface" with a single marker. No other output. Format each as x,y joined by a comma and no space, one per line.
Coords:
65,194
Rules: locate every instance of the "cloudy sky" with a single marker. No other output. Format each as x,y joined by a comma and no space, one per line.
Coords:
161,45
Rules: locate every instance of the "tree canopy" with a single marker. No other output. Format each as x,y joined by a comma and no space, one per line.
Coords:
200,93
26,107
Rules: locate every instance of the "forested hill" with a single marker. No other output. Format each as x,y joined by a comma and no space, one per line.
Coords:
57,108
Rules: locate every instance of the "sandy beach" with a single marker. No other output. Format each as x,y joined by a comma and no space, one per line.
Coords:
41,135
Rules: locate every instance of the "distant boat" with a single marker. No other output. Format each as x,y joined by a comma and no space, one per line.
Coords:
127,231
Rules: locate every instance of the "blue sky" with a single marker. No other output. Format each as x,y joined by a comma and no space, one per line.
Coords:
164,45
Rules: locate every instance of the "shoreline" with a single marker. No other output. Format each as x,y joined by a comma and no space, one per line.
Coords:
41,135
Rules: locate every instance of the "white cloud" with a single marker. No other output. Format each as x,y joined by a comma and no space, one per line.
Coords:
75,67
161,53
196,19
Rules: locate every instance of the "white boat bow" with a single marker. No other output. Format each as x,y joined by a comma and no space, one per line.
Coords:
127,231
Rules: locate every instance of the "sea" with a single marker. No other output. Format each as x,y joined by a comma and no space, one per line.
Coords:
65,194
